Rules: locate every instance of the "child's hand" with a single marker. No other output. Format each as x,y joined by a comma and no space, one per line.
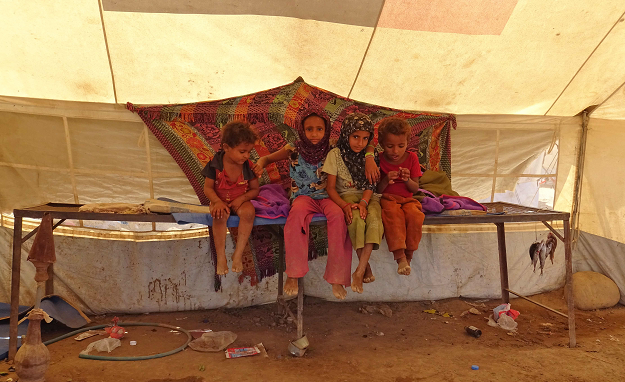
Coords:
392,176
220,210
363,210
404,174
372,172
236,204
259,166
347,210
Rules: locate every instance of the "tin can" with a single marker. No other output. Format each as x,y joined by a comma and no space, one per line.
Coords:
473,331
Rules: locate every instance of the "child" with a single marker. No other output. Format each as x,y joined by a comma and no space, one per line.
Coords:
309,197
349,188
401,213
230,185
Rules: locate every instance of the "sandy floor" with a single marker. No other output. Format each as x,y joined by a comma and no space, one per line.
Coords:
347,345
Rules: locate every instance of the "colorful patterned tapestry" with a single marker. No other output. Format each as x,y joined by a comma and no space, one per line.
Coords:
190,133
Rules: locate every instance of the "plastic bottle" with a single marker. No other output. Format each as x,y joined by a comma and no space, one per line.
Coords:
472,330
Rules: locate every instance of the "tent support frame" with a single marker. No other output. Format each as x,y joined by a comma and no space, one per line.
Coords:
498,214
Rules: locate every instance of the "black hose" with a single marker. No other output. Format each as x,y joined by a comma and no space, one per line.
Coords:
137,358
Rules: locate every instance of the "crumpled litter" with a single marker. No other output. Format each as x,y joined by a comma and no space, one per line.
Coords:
504,317
505,322
434,311
105,344
213,341
505,309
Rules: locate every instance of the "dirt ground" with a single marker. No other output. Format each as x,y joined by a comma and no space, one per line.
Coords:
348,345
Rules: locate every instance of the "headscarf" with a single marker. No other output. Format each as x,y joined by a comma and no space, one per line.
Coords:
313,153
354,161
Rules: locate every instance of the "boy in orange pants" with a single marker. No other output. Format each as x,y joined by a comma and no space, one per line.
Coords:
400,171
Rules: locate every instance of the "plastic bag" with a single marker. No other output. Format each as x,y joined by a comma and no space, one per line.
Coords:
105,344
213,341
504,309
507,323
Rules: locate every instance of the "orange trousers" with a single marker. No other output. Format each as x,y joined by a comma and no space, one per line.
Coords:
403,219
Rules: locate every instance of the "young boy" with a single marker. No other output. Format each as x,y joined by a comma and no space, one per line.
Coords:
401,213
230,184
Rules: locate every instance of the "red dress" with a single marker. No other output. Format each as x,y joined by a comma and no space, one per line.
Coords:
224,188
227,190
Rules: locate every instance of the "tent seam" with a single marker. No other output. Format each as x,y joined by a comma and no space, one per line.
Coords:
607,99
366,50
585,61
108,53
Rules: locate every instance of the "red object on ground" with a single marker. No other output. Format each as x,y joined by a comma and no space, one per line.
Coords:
115,331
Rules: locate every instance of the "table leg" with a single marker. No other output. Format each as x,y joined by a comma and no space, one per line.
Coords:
568,287
281,275
300,307
50,280
503,262
15,285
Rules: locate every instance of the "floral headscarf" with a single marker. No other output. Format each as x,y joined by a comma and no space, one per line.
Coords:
313,153
354,161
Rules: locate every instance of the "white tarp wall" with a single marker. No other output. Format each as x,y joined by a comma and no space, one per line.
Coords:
101,153
601,246
67,67
532,57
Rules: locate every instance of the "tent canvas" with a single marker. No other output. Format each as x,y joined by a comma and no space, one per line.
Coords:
516,73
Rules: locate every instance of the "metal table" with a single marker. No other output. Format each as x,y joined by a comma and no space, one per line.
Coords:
499,213
57,211
511,214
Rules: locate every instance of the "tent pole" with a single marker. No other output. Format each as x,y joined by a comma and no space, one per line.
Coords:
579,176
15,284
568,287
503,262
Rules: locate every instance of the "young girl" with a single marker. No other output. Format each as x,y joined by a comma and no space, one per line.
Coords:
230,184
349,188
309,197
401,213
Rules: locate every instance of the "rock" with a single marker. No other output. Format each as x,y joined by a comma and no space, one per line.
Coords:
385,310
474,311
592,290
367,309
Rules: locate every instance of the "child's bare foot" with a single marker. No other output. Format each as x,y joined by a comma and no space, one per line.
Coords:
409,256
290,286
222,267
403,268
237,263
339,291
368,277
357,281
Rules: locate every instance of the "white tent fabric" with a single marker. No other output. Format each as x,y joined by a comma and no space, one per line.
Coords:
104,276
87,153
601,218
516,72
101,152
467,57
